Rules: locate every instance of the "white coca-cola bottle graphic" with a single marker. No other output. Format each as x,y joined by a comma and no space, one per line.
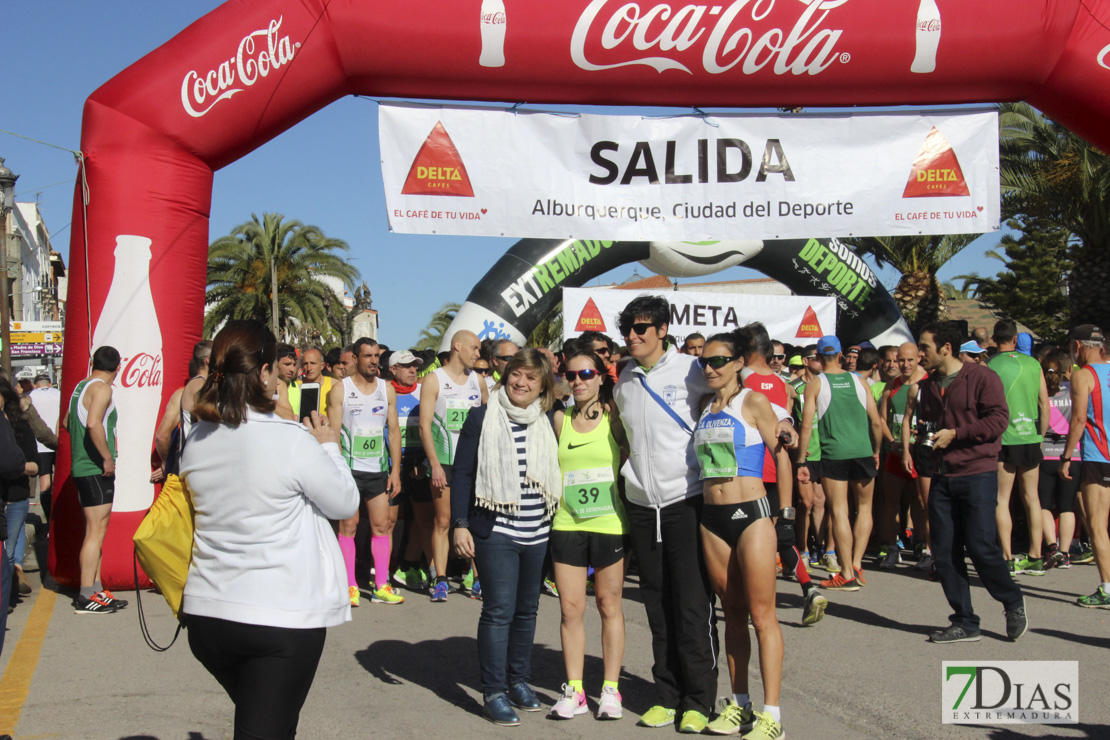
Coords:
129,323
928,37
493,34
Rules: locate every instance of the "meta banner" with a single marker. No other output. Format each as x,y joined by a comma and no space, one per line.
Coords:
799,320
485,172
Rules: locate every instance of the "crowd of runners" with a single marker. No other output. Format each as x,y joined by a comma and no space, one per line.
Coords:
709,467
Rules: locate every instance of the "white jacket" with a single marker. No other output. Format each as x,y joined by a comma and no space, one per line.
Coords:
662,467
264,552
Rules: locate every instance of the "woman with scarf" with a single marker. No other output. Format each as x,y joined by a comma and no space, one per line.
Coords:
506,489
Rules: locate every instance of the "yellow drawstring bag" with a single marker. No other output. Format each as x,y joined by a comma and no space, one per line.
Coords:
164,540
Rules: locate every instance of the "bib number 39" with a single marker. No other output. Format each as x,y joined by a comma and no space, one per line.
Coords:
589,493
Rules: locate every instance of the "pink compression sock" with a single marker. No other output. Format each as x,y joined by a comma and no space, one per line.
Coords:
380,547
347,547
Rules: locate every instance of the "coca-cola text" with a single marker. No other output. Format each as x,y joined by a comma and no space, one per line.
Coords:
251,61
144,370
726,38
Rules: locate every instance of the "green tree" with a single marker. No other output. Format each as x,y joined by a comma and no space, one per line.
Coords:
1050,174
918,294
1030,287
432,335
271,262
549,332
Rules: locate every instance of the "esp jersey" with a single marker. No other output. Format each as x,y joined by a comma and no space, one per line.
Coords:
1094,446
408,418
728,446
1021,381
773,387
452,407
842,417
363,434
85,459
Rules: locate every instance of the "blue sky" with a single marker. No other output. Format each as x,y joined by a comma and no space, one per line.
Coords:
324,171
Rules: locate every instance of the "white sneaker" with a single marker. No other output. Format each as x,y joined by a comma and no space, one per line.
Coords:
609,706
830,563
926,561
892,559
571,705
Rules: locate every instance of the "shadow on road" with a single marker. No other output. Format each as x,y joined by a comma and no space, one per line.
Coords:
190,736
1090,731
448,667
1092,640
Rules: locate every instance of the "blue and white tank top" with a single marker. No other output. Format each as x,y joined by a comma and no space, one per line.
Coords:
726,445
363,434
1094,447
408,418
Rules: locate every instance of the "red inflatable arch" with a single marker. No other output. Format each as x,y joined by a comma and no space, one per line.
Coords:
153,135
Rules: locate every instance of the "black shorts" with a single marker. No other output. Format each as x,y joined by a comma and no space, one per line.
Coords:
1021,456
46,463
857,468
94,490
417,490
1056,494
1096,472
772,491
447,470
370,485
814,470
923,462
585,549
728,521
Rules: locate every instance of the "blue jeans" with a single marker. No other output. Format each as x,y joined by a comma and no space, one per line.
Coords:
17,531
961,521
511,575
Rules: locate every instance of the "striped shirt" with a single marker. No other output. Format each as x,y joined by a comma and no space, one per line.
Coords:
530,525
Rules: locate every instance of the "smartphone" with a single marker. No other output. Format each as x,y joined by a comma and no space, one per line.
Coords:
310,399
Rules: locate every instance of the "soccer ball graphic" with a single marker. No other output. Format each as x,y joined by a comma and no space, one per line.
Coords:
688,259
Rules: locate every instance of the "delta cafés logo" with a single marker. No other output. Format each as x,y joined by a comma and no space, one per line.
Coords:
438,168
1010,692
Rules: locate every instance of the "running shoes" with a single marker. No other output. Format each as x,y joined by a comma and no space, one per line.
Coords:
572,704
386,595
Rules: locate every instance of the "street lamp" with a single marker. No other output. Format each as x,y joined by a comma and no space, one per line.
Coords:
7,187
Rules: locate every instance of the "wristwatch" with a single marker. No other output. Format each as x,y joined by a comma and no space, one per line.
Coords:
787,513
460,523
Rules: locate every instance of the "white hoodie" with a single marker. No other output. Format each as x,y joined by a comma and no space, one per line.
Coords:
662,467
264,552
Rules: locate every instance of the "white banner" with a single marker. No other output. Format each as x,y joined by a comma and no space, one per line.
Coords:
798,320
496,173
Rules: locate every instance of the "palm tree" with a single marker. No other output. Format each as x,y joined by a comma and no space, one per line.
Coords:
549,332
918,294
1052,174
269,270
431,336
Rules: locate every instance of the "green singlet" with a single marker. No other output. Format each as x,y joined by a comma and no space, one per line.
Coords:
1021,381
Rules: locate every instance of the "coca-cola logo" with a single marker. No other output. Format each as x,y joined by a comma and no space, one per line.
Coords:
1101,58
929,25
253,60
748,33
494,19
142,370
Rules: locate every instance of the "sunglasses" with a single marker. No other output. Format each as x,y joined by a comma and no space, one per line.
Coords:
778,357
716,362
602,351
483,370
504,358
810,357
570,375
639,328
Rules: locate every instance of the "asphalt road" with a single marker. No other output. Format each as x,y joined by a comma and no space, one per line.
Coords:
866,671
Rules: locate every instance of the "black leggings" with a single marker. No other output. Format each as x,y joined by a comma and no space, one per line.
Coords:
267,671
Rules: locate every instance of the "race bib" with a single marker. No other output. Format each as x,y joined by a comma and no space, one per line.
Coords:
368,443
589,493
456,412
716,451
410,434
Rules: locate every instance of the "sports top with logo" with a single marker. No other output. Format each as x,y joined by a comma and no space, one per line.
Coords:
1021,381
363,433
86,460
1059,420
813,454
842,417
408,418
728,446
1095,447
590,463
453,404
896,411
773,387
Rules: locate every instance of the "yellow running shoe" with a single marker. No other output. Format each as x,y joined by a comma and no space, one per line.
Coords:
693,722
352,591
385,595
657,716
766,728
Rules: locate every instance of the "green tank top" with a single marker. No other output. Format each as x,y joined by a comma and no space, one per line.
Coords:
583,458
84,457
842,417
896,411
1021,381
814,452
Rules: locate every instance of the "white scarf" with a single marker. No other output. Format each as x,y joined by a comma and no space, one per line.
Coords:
498,478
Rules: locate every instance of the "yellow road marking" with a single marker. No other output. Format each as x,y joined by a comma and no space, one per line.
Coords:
16,683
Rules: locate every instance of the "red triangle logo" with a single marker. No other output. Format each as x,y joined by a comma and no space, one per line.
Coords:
590,318
810,328
936,171
438,169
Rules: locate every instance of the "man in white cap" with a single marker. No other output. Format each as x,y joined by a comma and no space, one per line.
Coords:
971,352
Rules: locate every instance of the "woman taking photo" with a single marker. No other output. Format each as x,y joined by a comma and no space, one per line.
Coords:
589,530
506,488
738,537
267,576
